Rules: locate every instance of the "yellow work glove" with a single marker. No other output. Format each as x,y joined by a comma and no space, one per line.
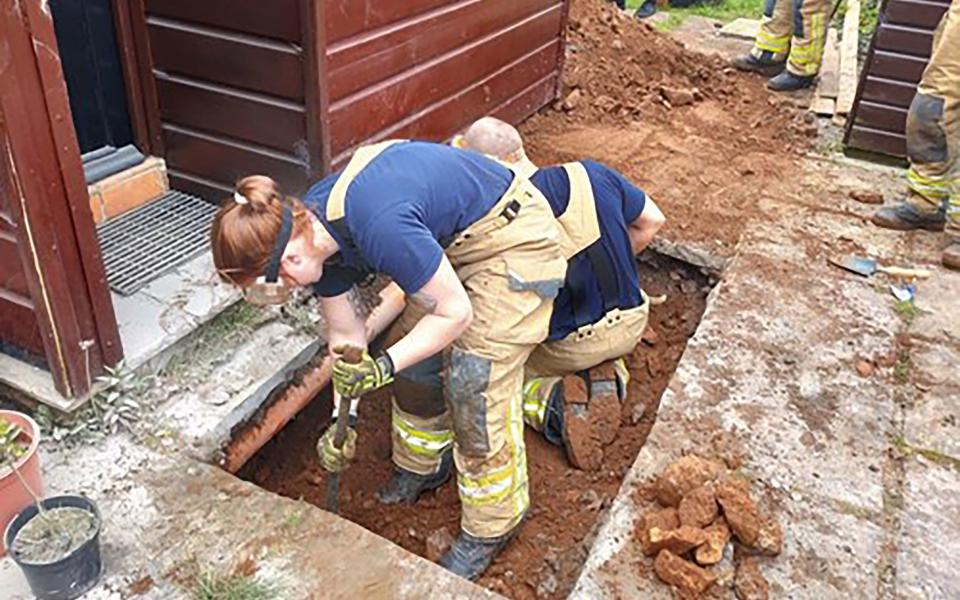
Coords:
334,460
352,380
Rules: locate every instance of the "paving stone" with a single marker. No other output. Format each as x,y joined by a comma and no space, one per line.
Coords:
933,420
147,326
929,541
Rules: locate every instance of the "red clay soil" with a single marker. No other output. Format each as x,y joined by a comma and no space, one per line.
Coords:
566,503
707,142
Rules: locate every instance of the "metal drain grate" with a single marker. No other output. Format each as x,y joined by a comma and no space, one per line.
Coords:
147,242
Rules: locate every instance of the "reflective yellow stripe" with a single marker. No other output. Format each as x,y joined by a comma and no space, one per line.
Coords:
579,221
534,406
772,43
424,443
361,158
936,188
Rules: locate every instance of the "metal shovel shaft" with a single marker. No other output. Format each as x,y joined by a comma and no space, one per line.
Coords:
353,355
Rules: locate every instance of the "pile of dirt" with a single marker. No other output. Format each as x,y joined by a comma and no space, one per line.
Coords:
708,532
707,141
545,558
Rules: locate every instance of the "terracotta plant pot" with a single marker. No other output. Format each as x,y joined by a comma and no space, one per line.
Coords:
13,497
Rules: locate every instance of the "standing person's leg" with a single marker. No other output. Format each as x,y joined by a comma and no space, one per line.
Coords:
806,45
933,137
575,385
772,44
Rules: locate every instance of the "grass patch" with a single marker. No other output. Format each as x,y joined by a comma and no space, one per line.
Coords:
906,310
232,587
232,326
906,449
672,22
725,10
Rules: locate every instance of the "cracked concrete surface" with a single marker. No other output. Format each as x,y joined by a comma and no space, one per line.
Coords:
862,472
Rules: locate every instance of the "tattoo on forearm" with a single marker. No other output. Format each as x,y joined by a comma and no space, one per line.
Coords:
425,300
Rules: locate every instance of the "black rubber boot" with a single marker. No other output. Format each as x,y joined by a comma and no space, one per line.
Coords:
764,65
405,486
647,9
470,556
905,217
788,82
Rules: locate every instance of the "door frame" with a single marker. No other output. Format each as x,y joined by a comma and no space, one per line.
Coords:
59,250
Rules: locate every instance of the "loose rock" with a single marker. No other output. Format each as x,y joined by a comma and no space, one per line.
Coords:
689,579
684,475
864,368
438,543
572,100
699,507
677,97
741,512
664,519
711,552
749,583
679,541
867,196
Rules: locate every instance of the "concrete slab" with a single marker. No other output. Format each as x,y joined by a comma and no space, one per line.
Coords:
168,309
168,519
928,543
743,28
218,397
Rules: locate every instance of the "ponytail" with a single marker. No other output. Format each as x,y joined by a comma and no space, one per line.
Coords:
246,227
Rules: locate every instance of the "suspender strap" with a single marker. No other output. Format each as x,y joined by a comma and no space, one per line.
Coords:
579,221
336,203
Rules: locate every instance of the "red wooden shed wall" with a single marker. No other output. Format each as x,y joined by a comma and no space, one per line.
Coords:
898,55
234,87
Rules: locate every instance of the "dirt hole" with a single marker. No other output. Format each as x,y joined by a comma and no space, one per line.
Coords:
546,557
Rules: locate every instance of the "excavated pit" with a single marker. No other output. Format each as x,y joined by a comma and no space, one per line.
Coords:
567,504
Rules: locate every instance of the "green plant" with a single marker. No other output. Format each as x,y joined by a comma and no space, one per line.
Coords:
901,370
672,22
11,448
906,310
211,586
117,405
724,10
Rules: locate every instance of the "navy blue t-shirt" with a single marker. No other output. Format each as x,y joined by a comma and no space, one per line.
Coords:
402,208
619,203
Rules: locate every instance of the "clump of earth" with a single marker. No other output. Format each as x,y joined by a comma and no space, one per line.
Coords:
708,531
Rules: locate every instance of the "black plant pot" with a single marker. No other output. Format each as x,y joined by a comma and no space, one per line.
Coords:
71,576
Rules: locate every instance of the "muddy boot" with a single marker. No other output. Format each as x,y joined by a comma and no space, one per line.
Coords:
470,556
788,82
906,217
405,486
765,65
951,255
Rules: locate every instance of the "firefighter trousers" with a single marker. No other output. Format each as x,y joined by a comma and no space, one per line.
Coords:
794,31
469,398
933,127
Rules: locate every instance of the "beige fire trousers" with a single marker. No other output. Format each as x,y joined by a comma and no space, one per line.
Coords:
609,339
795,31
933,127
511,265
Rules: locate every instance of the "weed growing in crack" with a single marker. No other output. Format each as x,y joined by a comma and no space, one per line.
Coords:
901,370
906,449
229,328
906,310
211,586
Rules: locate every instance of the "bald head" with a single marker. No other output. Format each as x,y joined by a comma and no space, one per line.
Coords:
499,139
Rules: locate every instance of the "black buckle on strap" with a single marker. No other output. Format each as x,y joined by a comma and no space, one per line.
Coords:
511,211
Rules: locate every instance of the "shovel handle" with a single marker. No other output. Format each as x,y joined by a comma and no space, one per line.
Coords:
352,355
905,272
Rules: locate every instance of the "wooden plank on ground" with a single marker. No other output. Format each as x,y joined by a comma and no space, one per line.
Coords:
829,85
849,48
741,28
823,107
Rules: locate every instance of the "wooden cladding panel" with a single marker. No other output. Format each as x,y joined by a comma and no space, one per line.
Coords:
222,160
239,116
279,19
896,93
361,116
914,13
269,68
350,17
18,322
362,61
513,93
12,277
895,62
